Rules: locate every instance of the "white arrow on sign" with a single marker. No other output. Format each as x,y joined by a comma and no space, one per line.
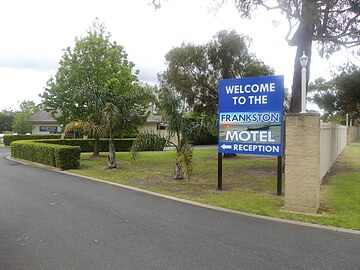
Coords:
225,146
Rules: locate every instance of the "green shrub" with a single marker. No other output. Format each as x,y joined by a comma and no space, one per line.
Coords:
8,139
67,157
60,156
87,145
148,141
206,139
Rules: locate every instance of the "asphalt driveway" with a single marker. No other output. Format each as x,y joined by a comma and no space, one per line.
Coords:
50,220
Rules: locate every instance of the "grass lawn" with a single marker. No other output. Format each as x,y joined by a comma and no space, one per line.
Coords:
249,183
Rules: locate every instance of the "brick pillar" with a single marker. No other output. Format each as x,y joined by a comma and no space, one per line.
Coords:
302,162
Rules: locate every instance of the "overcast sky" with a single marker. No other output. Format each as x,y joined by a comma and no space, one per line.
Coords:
34,33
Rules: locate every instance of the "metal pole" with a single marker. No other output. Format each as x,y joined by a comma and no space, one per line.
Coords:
303,62
279,176
303,90
219,171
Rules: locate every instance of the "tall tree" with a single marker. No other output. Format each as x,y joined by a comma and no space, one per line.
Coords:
21,124
121,115
6,121
93,73
332,24
193,71
348,85
111,116
180,130
340,95
323,93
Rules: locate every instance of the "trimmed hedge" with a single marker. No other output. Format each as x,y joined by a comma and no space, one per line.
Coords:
67,157
60,156
8,139
87,145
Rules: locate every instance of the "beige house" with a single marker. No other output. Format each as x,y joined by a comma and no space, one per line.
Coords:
152,124
43,123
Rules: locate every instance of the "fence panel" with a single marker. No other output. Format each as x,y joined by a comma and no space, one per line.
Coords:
332,141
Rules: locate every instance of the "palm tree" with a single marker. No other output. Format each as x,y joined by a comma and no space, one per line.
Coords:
111,120
89,128
179,131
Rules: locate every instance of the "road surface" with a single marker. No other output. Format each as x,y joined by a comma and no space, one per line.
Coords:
50,220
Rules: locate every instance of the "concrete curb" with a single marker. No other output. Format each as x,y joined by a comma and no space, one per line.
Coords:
300,223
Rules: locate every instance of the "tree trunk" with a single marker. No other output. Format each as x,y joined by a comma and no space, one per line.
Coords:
96,145
178,175
111,155
302,39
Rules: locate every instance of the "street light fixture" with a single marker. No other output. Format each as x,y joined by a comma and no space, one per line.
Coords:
303,63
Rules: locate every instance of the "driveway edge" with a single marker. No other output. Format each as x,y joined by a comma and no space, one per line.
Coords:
300,223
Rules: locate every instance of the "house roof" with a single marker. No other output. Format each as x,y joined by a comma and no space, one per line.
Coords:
43,117
153,119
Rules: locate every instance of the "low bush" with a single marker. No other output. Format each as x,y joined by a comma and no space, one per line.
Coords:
8,138
60,156
67,157
148,141
205,139
87,145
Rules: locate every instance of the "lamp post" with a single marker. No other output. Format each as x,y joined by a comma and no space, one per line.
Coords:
303,62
